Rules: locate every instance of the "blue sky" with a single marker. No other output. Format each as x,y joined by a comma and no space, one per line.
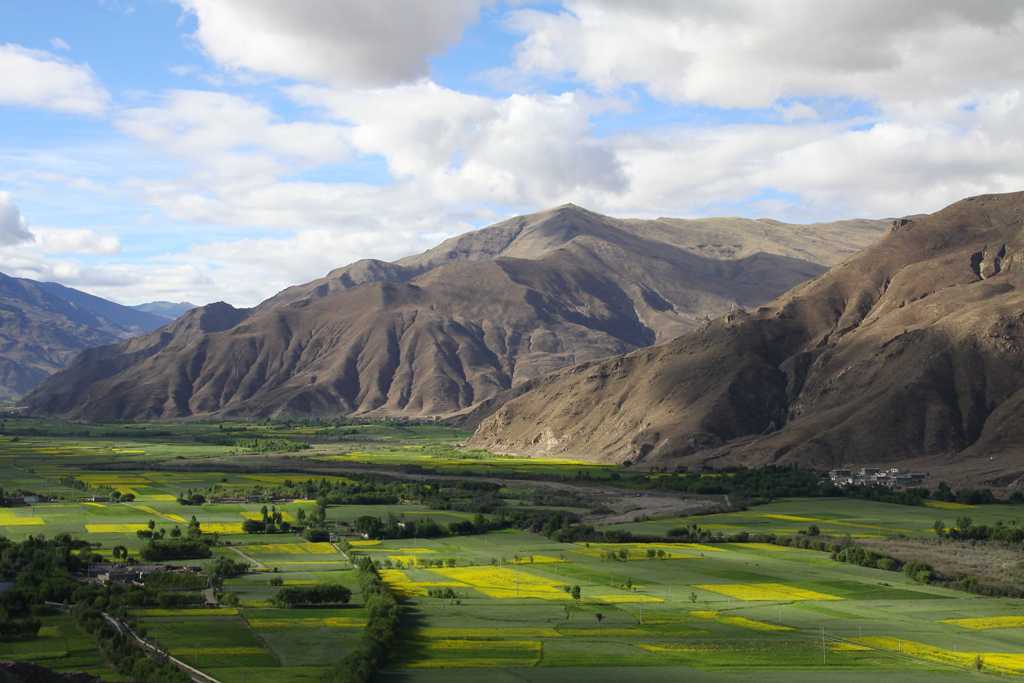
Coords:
205,150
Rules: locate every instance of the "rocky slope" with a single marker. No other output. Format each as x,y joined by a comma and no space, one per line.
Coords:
43,325
912,351
438,332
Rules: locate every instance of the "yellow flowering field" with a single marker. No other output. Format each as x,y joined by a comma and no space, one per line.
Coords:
415,551
221,527
503,582
399,581
999,662
169,516
95,505
788,518
405,560
985,623
9,517
115,528
765,591
363,543
303,548
741,622
257,516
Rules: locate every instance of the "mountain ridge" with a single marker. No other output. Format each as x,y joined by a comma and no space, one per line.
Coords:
434,333
912,349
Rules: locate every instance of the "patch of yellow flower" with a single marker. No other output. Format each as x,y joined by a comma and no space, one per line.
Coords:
998,662
399,582
788,518
258,516
303,548
95,505
404,560
221,527
771,547
9,517
741,622
169,516
309,622
765,591
362,543
115,528
506,583
157,497
985,623
415,551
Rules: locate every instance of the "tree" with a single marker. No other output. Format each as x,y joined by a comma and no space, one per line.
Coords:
576,593
599,617
939,528
175,532
151,525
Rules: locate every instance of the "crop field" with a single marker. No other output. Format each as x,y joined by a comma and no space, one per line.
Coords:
838,517
501,605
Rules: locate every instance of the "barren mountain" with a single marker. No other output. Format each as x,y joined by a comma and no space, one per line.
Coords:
43,325
168,310
912,351
460,323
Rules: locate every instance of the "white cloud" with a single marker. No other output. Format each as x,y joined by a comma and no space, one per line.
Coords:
39,79
459,147
232,137
13,228
58,43
345,42
75,241
750,53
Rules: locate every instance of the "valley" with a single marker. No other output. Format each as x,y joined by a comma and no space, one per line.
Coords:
512,566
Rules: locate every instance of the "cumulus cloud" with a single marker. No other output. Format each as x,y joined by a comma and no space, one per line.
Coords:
346,42
750,53
36,78
13,228
58,43
522,148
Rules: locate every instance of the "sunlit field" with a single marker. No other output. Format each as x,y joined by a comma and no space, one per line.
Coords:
508,604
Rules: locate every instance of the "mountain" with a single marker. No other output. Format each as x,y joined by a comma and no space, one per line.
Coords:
168,310
912,352
441,331
43,325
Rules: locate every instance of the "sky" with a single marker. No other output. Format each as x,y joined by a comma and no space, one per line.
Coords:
208,150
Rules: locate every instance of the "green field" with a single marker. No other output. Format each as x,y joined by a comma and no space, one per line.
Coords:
496,605
837,517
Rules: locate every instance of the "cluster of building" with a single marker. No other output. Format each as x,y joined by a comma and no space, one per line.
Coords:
892,478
